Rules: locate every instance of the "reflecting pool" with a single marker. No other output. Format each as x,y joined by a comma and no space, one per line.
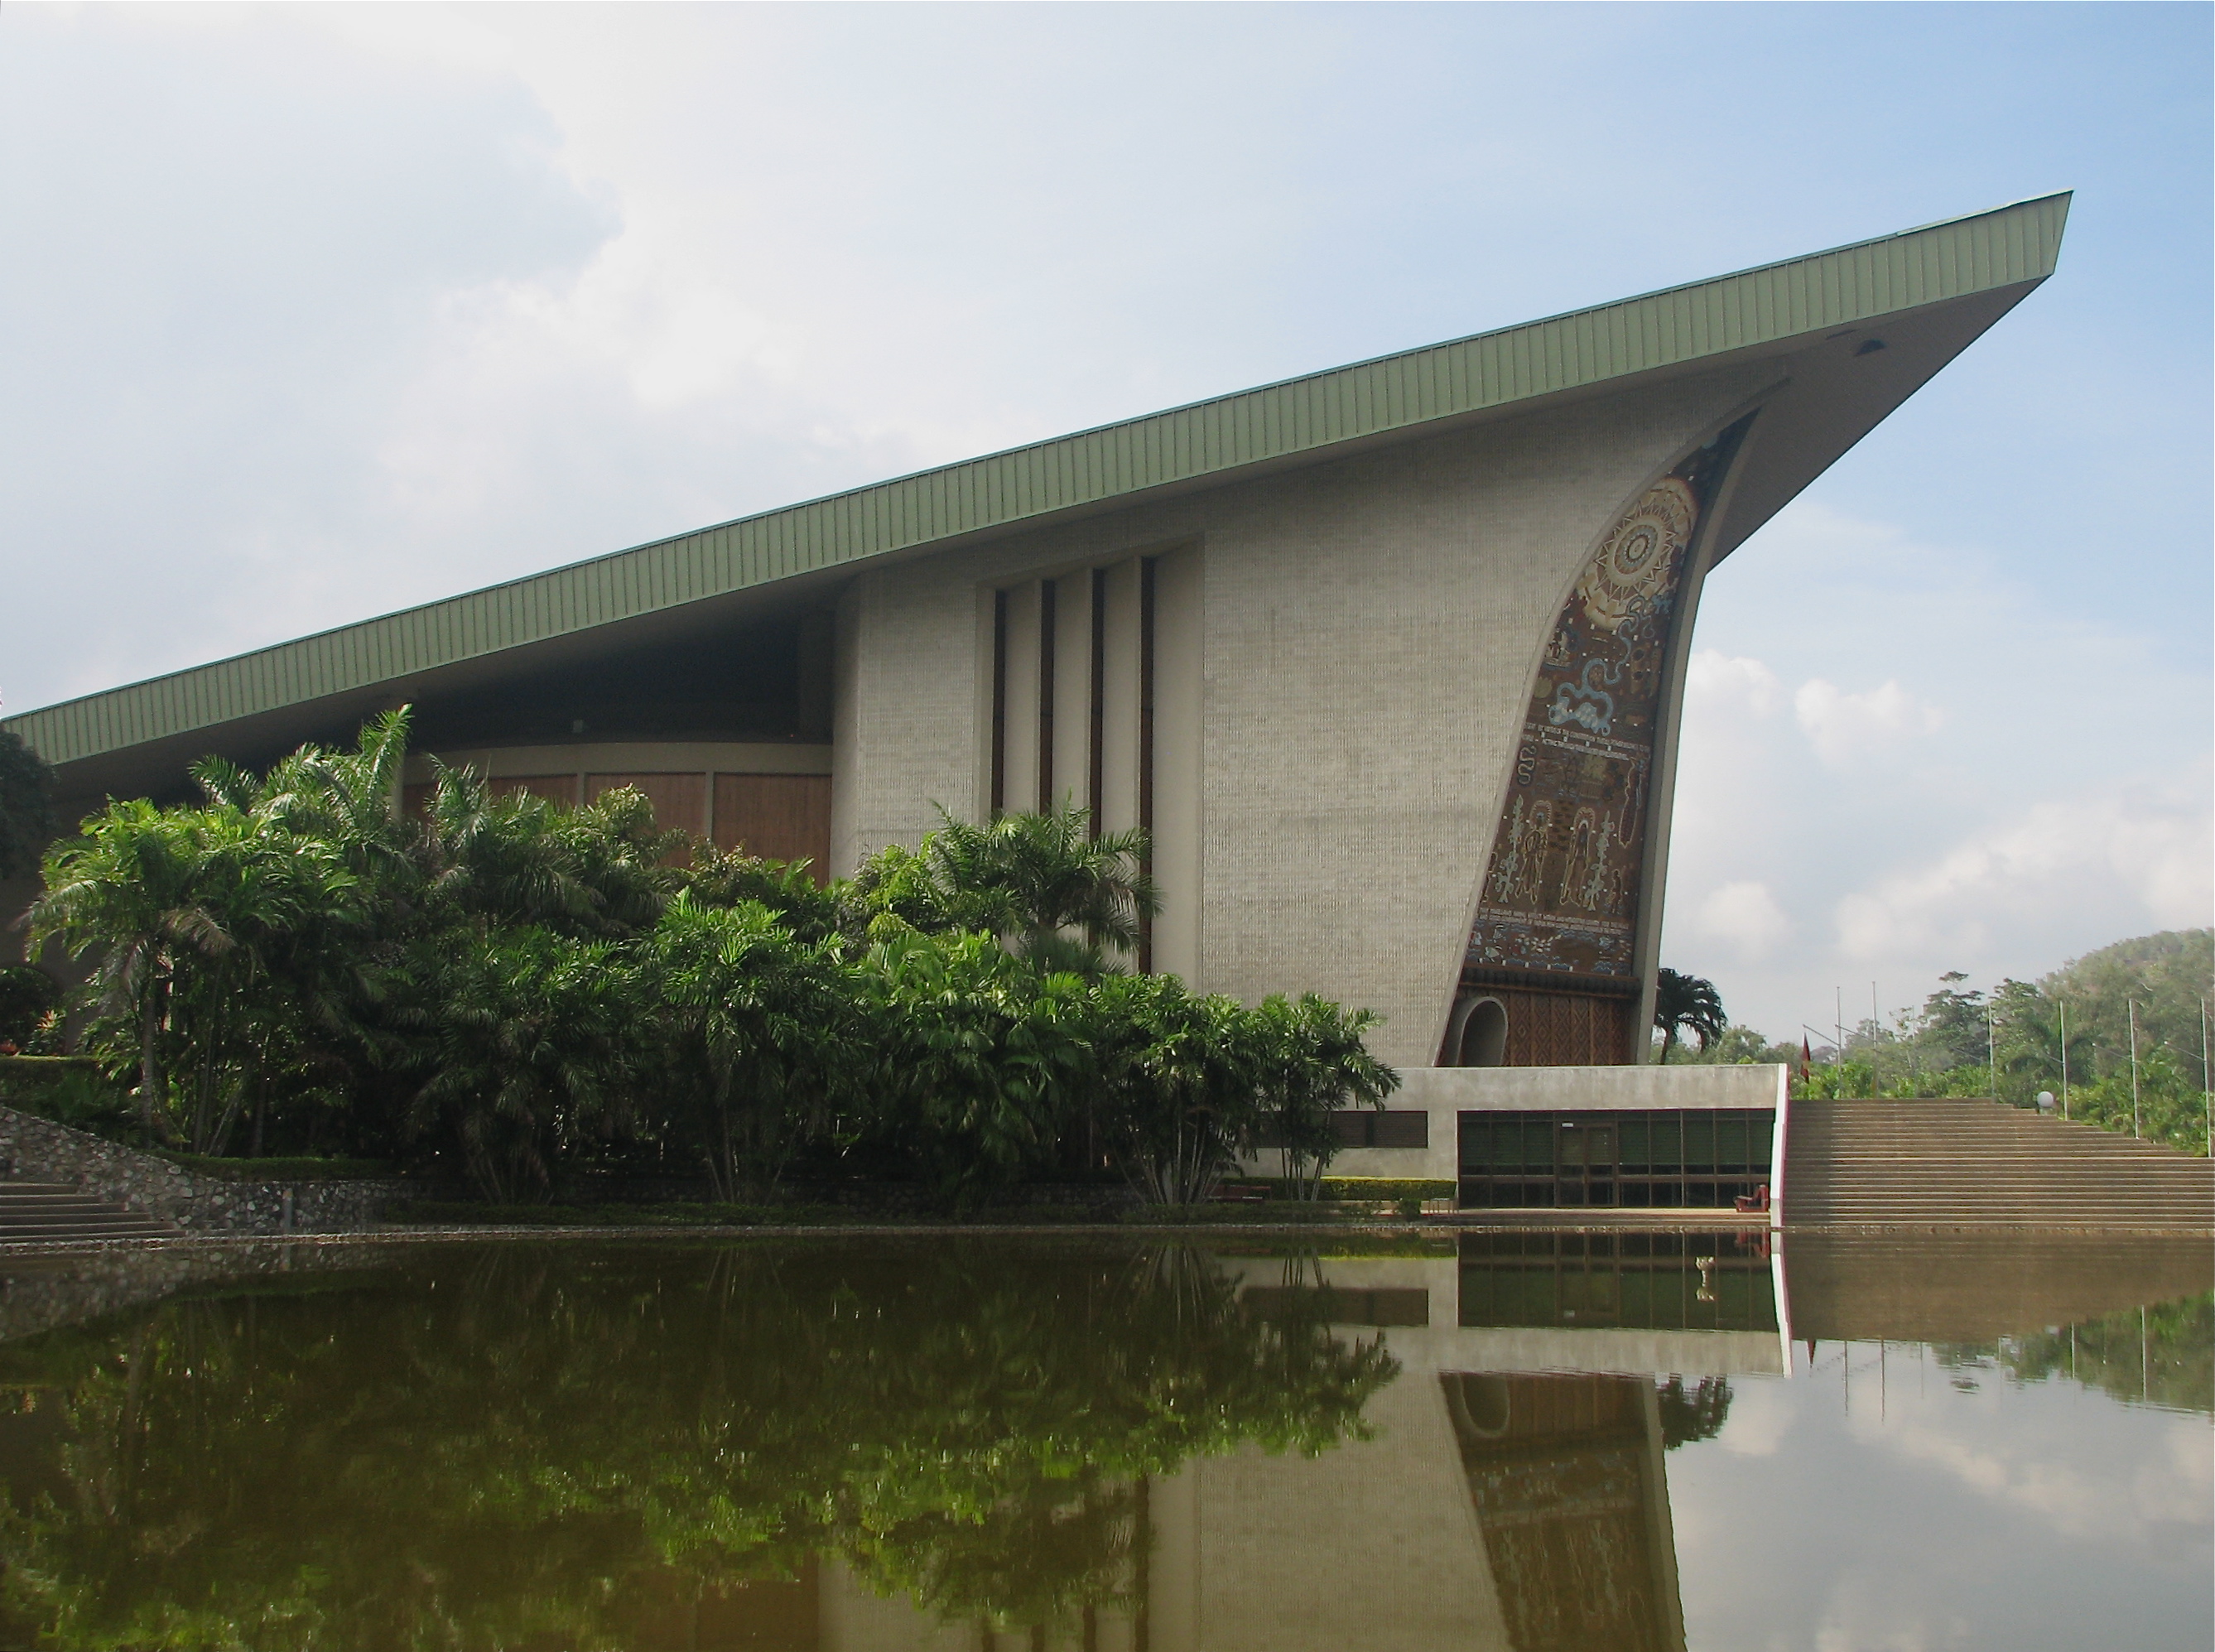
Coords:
1529,1440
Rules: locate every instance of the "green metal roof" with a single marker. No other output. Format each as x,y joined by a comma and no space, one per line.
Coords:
1207,440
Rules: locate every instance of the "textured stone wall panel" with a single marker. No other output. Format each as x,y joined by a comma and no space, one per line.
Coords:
38,1150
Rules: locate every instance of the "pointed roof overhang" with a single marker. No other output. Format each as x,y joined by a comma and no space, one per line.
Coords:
1928,292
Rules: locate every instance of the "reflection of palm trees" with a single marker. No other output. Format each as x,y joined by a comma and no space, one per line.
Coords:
461,1443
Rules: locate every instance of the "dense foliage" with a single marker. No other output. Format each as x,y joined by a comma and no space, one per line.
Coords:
2070,1034
26,789
510,990
538,1445
28,996
2162,1354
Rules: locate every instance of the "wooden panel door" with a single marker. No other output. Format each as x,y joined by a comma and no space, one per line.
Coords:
560,788
782,817
680,801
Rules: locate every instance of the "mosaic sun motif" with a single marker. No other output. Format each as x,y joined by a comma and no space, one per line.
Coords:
1638,561
1561,892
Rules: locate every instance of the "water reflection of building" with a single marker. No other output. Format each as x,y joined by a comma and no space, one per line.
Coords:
1511,1497
1566,1475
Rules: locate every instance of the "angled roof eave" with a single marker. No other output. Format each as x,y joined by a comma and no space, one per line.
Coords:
1198,444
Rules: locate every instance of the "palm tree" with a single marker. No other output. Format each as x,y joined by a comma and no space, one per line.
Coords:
1314,1063
1056,892
1685,1004
983,1059
133,889
1182,1078
189,911
754,1029
531,1043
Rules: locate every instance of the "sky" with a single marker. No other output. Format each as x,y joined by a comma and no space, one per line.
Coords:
312,313
1925,1498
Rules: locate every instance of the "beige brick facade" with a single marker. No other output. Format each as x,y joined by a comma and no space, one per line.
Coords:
1370,630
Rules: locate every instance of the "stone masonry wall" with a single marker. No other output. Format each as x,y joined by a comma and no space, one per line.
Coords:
38,1150
40,1293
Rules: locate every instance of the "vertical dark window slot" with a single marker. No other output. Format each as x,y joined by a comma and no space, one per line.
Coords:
1046,629
1096,750
1146,745
999,703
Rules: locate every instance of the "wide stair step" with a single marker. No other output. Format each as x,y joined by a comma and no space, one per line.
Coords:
1937,1162
58,1212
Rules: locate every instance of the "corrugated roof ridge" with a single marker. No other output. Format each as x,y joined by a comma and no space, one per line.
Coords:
873,517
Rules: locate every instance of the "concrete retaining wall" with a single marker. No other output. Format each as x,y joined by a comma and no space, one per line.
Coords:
1446,1092
42,1151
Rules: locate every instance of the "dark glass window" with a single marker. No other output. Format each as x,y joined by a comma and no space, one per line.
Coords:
1649,1281
1703,1158
1367,1128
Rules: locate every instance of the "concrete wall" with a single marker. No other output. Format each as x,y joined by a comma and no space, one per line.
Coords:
1367,634
1446,1092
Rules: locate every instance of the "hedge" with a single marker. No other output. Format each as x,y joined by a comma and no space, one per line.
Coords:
1356,1188
470,1213
46,1066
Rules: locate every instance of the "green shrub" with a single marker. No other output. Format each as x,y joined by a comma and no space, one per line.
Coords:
20,1071
1362,1189
1274,1212
72,1091
27,997
471,1213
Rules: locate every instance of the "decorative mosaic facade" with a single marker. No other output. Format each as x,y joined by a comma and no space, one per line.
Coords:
1562,891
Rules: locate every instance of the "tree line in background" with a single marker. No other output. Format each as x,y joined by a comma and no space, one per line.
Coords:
512,991
2070,1033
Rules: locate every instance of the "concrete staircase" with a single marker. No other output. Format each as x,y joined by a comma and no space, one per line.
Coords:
58,1212
1981,1164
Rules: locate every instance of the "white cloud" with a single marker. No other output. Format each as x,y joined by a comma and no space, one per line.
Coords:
1716,681
1844,727
2140,853
2084,1498
1896,841
1746,916
1761,1414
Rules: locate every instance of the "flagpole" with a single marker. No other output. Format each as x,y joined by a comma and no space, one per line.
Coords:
2206,1099
2134,1004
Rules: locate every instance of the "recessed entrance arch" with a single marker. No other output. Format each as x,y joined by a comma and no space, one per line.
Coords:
1477,1035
